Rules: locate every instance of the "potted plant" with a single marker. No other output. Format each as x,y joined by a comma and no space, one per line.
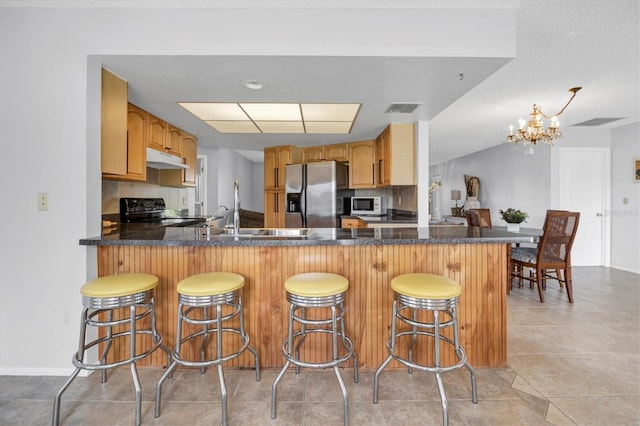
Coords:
513,218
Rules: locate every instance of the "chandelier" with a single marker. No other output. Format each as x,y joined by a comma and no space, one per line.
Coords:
533,131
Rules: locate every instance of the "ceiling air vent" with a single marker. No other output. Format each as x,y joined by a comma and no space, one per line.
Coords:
598,121
403,107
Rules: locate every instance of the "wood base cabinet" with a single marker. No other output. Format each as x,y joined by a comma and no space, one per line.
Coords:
274,209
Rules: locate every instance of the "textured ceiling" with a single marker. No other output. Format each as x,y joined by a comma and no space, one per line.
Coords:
560,44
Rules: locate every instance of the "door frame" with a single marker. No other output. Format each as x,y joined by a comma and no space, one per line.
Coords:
555,180
202,183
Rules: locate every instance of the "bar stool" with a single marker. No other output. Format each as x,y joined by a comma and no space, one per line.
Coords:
100,299
197,296
316,290
437,294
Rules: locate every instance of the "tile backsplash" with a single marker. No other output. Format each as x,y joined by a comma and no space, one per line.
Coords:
113,190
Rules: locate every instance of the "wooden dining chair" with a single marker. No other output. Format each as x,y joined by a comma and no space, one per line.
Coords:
551,259
479,217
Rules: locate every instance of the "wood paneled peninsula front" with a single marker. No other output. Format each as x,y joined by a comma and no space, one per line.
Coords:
474,257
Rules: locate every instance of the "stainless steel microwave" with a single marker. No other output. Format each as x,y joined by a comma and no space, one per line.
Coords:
373,206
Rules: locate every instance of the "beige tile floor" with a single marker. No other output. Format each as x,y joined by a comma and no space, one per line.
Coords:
568,365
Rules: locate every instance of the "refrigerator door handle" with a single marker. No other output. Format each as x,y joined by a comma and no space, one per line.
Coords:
303,197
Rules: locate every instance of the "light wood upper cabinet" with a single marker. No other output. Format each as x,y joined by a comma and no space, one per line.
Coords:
275,160
382,147
137,131
397,159
337,152
362,168
189,154
173,141
312,153
164,137
113,135
157,133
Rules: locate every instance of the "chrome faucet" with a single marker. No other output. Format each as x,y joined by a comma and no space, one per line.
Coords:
236,205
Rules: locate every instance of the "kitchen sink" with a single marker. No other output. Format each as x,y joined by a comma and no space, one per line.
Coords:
256,232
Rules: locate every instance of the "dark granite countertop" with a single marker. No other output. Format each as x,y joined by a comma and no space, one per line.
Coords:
186,236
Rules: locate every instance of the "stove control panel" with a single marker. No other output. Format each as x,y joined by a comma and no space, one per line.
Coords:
141,209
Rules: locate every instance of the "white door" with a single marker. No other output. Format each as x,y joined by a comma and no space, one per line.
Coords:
583,185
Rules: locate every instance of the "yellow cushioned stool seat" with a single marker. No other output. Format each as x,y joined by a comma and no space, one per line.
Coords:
316,284
210,283
425,286
119,285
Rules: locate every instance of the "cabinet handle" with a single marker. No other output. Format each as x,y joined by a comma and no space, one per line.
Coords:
275,177
275,202
380,171
373,174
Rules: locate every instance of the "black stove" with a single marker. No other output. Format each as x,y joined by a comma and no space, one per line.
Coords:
152,211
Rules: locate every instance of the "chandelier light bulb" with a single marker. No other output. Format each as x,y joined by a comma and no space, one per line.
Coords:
529,133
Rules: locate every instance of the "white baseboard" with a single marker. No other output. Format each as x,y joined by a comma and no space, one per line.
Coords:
19,371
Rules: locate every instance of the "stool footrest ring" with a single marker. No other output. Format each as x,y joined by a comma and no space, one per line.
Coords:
347,343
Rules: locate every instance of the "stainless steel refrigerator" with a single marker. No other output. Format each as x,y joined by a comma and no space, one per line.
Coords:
316,194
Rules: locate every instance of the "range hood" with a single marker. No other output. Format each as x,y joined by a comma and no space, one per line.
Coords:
161,160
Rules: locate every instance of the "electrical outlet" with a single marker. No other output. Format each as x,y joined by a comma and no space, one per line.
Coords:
43,201
399,200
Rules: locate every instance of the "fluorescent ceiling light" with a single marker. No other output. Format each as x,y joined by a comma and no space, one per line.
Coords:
233,126
280,126
260,117
272,112
330,112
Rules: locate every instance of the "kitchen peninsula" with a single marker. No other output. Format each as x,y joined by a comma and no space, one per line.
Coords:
475,257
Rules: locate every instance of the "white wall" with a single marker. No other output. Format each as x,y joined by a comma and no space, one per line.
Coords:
528,184
50,121
625,216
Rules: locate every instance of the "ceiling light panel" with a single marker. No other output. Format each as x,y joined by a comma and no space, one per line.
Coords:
233,126
280,126
248,117
272,112
215,110
330,112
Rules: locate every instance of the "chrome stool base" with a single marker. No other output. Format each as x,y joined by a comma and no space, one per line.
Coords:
293,342
140,306
188,307
448,307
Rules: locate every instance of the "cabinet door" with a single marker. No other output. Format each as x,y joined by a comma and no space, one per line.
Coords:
284,158
270,168
137,126
274,209
157,133
136,161
337,152
114,125
353,223
173,141
362,158
381,141
400,155
190,156
312,153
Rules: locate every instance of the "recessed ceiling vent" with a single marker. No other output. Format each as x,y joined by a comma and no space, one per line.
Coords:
598,121
402,107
